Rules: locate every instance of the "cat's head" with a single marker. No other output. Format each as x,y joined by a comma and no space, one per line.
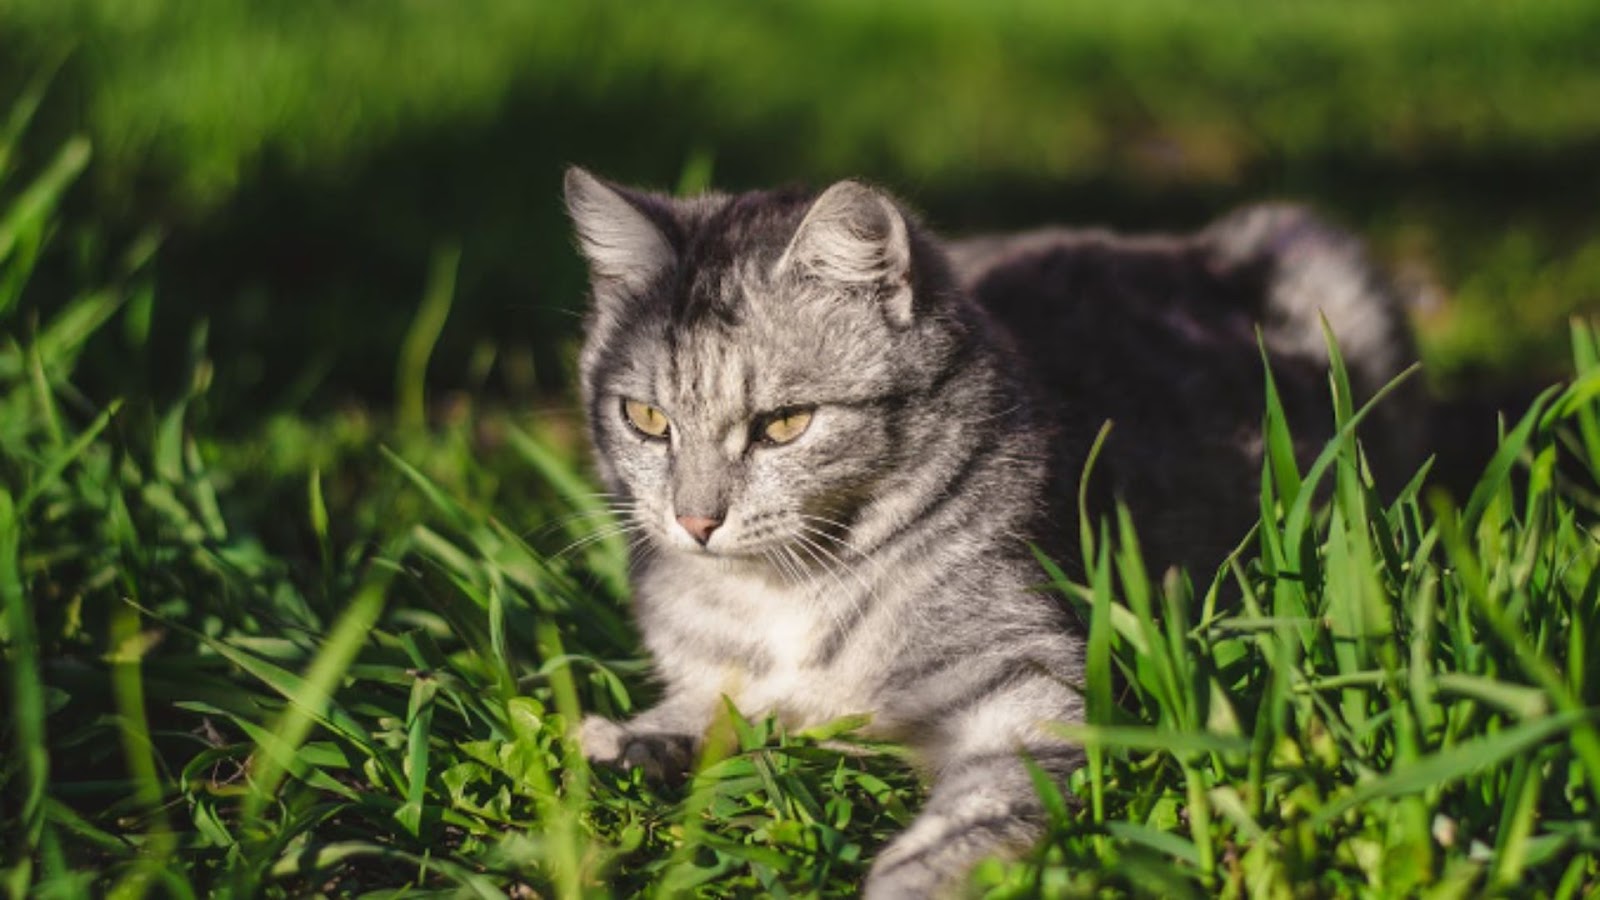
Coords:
756,366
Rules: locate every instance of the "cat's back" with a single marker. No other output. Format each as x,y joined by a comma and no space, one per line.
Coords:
1159,334
1163,297
1085,304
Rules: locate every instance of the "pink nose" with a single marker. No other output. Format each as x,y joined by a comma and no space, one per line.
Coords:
699,527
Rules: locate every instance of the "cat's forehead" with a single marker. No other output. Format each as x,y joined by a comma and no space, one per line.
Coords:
776,343
732,333
756,364
728,251
756,341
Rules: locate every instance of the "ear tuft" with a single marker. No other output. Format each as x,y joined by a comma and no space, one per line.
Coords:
856,236
625,247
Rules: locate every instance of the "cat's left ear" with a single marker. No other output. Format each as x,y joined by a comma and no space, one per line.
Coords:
855,235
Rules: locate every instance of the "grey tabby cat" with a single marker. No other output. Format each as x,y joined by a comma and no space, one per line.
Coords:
836,438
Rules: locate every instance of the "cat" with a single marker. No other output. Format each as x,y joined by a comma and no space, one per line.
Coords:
837,440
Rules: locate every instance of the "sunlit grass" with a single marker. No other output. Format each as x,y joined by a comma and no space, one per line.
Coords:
346,656
1041,88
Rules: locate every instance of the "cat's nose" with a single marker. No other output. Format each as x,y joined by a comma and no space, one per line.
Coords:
700,527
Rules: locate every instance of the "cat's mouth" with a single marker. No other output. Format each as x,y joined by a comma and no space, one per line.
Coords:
741,549
711,550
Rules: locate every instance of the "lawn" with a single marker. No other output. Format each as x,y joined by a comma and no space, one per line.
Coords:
301,588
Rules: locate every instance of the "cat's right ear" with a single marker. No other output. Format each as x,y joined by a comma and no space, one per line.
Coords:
620,233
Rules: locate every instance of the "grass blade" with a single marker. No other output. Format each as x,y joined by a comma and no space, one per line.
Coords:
1449,766
411,371
32,756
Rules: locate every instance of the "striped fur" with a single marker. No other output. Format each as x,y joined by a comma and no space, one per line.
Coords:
881,563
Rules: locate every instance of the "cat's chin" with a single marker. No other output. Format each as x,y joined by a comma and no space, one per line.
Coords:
735,559
683,547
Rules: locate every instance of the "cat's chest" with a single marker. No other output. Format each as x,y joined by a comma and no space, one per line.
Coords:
759,642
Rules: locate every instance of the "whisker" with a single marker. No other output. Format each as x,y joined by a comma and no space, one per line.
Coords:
840,542
595,537
580,515
602,534
855,601
784,574
835,524
881,573
638,557
820,563
832,609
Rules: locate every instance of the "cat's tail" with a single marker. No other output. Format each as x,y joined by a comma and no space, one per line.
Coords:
1310,271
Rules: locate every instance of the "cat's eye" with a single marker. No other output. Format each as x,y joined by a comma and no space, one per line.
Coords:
785,425
649,421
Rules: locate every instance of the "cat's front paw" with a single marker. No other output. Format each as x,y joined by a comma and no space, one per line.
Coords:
909,884
660,756
601,740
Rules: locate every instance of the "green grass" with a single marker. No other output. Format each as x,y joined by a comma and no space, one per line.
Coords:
1042,89
345,655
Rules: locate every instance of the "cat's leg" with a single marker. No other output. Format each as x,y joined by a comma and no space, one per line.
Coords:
984,805
984,801
661,741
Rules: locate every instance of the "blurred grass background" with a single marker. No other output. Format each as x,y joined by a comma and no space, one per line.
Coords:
297,560
305,160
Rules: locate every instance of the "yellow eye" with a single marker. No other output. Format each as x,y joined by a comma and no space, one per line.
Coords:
786,426
650,421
